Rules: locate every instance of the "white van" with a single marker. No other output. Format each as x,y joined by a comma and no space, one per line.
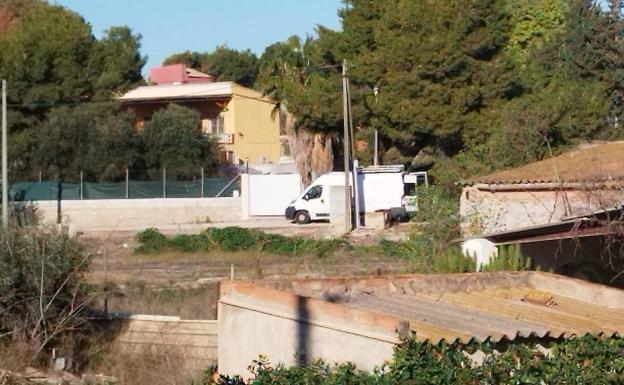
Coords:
385,188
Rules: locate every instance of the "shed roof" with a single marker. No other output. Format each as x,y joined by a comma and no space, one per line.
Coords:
451,307
596,162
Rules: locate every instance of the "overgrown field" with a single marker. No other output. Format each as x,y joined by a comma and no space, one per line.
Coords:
417,252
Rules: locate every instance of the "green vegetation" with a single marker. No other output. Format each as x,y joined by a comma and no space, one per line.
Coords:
586,360
236,239
43,296
451,86
62,86
171,140
224,63
509,258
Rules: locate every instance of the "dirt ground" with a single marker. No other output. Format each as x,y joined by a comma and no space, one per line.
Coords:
186,284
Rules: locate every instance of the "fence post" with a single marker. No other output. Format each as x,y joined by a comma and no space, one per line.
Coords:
81,191
164,173
127,183
40,176
202,182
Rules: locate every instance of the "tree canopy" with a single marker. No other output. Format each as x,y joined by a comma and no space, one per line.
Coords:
456,85
224,63
458,88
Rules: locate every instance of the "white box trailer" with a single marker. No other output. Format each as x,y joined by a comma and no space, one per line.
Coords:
385,188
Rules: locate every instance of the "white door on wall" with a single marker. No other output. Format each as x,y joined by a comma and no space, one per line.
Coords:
269,195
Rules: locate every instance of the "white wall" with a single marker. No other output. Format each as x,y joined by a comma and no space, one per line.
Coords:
137,214
268,195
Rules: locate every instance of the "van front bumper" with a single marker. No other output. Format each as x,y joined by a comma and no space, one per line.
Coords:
290,212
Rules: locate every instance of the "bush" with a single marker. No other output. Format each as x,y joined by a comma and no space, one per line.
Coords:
190,243
235,239
151,240
43,295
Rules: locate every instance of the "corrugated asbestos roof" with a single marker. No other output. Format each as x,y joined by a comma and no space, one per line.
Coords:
180,91
475,307
596,163
494,315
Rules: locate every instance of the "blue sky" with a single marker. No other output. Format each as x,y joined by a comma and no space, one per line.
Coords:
201,25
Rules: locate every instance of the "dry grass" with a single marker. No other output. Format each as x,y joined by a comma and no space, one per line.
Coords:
187,303
15,356
589,163
153,366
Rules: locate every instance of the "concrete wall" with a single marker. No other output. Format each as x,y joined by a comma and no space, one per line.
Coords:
488,211
289,329
137,214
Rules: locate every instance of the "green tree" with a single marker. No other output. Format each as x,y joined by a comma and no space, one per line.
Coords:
97,139
190,59
173,140
117,63
45,56
225,64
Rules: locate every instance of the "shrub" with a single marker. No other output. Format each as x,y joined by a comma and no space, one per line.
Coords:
233,238
509,258
151,240
190,243
43,295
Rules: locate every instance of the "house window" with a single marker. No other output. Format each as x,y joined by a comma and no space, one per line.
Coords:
212,126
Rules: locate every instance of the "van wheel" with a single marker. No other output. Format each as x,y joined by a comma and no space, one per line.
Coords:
302,217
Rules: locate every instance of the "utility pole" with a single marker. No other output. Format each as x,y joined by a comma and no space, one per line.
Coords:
376,154
347,147
356,192
5,173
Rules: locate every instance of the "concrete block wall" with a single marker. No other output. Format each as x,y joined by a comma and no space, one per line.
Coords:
138,214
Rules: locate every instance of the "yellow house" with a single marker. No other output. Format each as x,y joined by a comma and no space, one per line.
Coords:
244,122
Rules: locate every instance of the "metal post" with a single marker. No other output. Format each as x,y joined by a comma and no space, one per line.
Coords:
127,183
346,146
164,172
202,182
40,176
5,173
356,191
376,157
81,188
